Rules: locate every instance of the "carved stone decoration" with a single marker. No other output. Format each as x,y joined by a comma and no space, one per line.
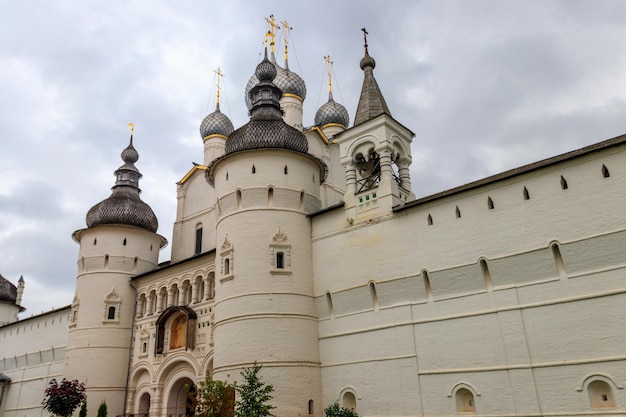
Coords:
279,237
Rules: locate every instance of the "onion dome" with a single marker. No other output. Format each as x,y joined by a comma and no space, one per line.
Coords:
288,81
332,113
216,124
8,291
266,128
124,206
371,102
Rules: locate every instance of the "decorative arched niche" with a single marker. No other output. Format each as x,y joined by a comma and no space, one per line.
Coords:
179,322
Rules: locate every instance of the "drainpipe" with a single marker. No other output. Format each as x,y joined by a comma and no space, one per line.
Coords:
130,349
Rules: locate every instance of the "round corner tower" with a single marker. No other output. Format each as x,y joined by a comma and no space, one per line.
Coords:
120,241
266,184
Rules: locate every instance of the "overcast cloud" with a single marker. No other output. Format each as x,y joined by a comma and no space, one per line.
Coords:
485,85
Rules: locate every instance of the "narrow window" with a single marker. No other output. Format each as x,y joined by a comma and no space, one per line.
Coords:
198,247
111,313
95,241
374,295
605,171
427,288
270,196
280,260
106,261
558,259
465,401
238,198
430,220
458,212
144,347
486,275
329,302
226,266
526,194
301,200
490,203
227,176
253,169
285,171
124,243
150,248
311,408
563,183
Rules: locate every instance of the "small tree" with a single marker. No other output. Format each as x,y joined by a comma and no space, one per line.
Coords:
254,395
212,398
102,410
63,398
83,410
335,410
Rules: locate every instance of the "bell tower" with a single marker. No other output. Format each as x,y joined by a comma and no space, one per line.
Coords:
375,153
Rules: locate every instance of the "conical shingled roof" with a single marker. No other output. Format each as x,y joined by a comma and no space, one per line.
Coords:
8,291
124,206
371,103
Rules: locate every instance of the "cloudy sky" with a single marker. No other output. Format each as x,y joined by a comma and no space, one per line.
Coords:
485,85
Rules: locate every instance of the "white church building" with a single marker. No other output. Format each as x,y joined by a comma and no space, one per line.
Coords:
304,249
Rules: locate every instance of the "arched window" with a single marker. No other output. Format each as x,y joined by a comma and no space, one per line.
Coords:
605,171
226,266
564,185
490,205
465,401
526,194
600,395
457,212
349,400
311,408
429,220
280,260
181,324
111,313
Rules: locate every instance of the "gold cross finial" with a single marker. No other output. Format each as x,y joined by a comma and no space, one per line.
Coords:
286,29
132,128
220,74
272,22
330,80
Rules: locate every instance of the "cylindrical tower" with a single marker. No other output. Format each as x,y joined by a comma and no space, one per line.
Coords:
120,241
266,185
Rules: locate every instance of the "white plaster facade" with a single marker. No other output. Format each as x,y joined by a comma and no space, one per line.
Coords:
503,297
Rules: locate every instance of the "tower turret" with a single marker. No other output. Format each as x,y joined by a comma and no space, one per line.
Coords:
292,86
375,153
119,242
331,117
215,128
266,185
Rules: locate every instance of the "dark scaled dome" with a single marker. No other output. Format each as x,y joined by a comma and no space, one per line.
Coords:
8,291
216,123
266,128
288,81
124,206
267,134
332,112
